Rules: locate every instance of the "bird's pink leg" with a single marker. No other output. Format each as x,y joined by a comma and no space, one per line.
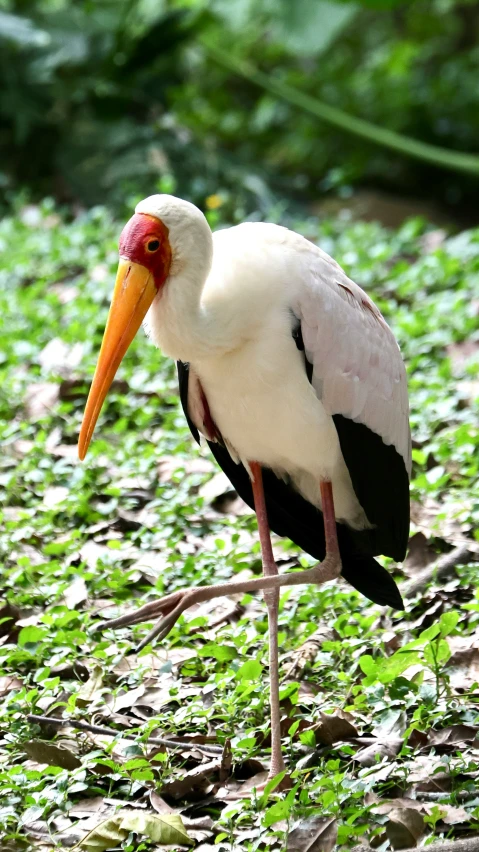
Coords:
271,596
172,606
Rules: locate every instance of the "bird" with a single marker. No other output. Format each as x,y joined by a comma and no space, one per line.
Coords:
290,373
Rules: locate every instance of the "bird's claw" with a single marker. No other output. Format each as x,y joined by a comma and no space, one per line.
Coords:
167,609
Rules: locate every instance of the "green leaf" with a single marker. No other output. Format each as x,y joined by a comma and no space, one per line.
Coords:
448,622
270,786
165,829
249,671
396,665
277,812
368,665
222,653
31,635
309,27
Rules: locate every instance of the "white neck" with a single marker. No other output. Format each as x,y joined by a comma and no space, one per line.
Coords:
177,322
211,305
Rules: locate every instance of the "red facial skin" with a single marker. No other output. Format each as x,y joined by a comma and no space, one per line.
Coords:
138,243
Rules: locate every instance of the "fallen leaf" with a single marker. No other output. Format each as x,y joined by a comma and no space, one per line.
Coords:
216,486
404,828
61,358
242,789
462,352
451,815
314,834
159,804
385,806
87,807
9,615
54,755
379,751
305,655
197,779
463,664
124,699
76,593
8,683
169,464
150,565
167,829
88,692
421,553
40,399
334,727
454,734
392,725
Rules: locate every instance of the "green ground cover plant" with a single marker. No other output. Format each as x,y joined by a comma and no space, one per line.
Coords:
379,709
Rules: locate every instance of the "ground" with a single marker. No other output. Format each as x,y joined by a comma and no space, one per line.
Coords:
379,708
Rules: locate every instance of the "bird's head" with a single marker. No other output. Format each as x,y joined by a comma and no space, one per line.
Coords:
157,241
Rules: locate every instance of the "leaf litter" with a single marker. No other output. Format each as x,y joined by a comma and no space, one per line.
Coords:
149,513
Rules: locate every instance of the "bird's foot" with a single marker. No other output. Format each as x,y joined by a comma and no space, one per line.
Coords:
167,610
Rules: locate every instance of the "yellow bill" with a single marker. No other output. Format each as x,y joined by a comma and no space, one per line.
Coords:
134,292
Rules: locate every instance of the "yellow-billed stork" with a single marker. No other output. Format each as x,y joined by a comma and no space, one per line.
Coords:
292,375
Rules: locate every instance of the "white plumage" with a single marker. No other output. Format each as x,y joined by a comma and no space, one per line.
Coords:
292,375
229,308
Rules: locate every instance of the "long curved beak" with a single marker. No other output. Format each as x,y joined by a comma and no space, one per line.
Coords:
134,292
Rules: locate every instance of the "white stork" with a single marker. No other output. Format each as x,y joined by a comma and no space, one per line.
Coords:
290,372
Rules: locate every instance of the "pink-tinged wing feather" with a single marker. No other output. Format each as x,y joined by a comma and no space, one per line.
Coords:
358,370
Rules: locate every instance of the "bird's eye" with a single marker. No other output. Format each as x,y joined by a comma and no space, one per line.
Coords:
153,245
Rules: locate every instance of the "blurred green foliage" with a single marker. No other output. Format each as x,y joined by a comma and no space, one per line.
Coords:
105,99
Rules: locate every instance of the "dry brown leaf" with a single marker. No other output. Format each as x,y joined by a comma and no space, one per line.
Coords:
8,683
460,353
197,779
150,565
9,615
88,692
159,804
88,807
166,829
421,553
385,806
332,728
381,750
314,834
125,699
305,655
463,664
40,399
218,485
91,552
242,789
451,815
54,755
61,358
76,593
454,734
404,828
391,727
